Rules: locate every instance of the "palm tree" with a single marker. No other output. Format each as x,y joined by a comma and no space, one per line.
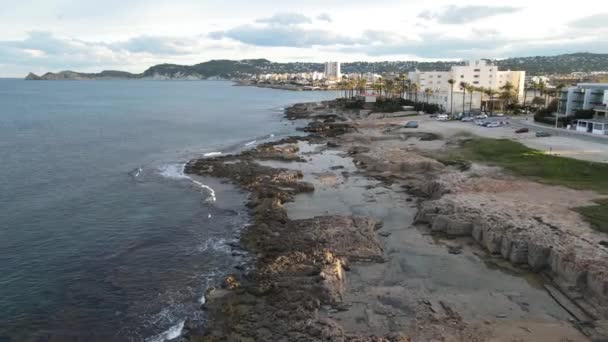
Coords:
558,90
507,95
491,93
542,87
415,87
451,82
471,89
361,85
525,95
379,85
402,85
428,92
464,86
389,85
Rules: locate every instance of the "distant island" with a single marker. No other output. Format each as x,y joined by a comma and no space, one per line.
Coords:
230,69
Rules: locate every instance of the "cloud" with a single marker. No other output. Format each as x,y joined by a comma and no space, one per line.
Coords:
463,14
596,21
285,36
286,18
324,17
42,51
155,45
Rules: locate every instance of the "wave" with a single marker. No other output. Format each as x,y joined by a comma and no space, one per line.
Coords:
169,334
212,154
215,244
251,143
176,171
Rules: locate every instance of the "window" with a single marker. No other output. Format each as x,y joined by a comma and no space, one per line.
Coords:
476,76
461,76
477,70
598,126
490,76
490,70
475,82
438,76
431,76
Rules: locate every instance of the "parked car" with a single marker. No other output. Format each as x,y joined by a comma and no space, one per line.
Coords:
542,134
522,130
481,116
499,114
492,124
442,117
411,124
467,119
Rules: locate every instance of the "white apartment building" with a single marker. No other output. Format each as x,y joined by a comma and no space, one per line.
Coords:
584,96
332,71
477,73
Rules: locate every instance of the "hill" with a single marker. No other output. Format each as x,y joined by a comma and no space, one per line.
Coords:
229,69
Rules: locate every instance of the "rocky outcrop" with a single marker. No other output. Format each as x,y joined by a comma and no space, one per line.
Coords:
79,76
577,263
32,77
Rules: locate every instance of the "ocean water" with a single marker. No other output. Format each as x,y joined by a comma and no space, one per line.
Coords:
102,236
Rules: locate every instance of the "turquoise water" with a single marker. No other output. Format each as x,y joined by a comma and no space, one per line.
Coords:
102,237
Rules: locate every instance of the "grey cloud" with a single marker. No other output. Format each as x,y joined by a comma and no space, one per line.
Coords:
325,17
284,36
42,51
286,18
434,46
596,21
463,14
153,45
431,46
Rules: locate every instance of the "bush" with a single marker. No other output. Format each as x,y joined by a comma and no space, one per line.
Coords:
584,114
385,105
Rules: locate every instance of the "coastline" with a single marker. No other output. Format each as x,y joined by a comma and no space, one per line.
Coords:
300,286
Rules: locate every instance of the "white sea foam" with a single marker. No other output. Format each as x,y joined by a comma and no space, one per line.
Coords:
215,244
176,171
251,143
169,334
212,154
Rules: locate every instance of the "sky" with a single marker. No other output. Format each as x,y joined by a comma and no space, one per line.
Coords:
89,36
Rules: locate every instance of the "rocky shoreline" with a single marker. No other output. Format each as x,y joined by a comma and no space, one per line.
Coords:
300,263
300,267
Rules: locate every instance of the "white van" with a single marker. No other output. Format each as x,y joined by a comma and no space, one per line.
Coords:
442,117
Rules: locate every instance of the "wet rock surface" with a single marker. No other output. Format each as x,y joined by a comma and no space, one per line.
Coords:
299,265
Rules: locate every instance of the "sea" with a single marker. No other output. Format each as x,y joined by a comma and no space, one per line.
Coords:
102,235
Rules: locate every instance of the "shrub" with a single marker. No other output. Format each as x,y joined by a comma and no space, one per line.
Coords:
584,114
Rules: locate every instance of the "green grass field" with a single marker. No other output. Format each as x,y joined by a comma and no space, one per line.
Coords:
533,164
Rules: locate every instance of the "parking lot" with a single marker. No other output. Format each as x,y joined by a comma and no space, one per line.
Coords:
560,142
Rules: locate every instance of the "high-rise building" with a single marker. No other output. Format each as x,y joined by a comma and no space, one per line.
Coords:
332,71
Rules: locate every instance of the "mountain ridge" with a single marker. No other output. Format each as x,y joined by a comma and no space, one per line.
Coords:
236,69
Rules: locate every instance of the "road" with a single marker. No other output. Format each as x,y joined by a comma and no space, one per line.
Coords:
529,123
